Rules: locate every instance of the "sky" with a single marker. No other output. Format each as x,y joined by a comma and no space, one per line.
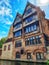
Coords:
9,9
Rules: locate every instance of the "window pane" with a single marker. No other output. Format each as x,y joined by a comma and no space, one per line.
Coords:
29,19
31,41
38,41
27,30
18,33
27,42
28,11
42,56
38,55
35,27
18,44
32,28
17,26
8,47
4,48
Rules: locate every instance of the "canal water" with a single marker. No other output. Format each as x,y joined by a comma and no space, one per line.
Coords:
19,63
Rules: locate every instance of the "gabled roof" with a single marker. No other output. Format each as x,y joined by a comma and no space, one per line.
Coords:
28,3
8,40
18,14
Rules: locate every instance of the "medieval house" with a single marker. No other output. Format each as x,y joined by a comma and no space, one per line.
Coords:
28,37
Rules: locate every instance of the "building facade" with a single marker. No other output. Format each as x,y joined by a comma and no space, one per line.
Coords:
7,47
28,36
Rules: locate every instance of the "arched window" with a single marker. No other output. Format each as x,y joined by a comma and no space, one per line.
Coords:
29,56
18,55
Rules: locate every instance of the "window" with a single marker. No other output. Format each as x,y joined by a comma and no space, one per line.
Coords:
29,10
39,56
22,51
17,20
18,43
34,27
18,33
33,41
29,41
30,28
31,18
38,41
29,56
28,20
18,55
8,47
17,26
26,30
4,48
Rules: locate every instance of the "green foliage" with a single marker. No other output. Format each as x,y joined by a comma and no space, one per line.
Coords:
2,41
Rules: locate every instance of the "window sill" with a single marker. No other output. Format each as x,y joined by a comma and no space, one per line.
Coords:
34,45
32,32
18,47
26,24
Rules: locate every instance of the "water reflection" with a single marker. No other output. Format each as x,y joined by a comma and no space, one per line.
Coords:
19,63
